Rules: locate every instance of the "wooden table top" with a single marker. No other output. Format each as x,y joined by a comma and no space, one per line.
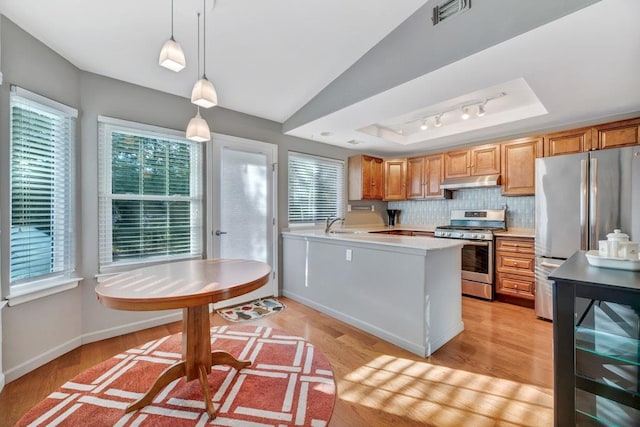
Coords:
182,284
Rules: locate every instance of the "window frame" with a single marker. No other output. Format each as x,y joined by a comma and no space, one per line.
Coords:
33,287
341,192
108,125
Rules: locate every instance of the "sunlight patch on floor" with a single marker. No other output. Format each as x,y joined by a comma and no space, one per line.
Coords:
440,395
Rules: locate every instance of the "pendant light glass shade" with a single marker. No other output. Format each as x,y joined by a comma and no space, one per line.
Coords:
172,56
198,129
204,94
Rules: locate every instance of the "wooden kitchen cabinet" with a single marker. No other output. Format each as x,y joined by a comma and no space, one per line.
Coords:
365,178
616,134
515,262
480,160
567,142
518,166
424,176
395,179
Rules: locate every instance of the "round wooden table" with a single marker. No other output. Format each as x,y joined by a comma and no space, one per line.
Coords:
192,286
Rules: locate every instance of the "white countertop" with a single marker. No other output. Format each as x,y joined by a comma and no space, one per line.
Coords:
362,235
517,232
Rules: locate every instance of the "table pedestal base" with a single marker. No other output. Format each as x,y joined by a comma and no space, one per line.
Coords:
178,370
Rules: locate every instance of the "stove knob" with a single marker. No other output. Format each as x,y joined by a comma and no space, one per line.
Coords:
474,236
481,236
447,234
460,234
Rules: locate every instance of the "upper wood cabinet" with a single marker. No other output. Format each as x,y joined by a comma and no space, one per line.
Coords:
395,179
424,176
365,178
518,166
616,134
415,178
480,160
601,137
567,142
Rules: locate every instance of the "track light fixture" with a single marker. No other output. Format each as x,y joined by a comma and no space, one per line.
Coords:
464,107
171,54
481,111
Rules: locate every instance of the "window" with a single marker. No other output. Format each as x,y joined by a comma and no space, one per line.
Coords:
42,190
316,188
150,194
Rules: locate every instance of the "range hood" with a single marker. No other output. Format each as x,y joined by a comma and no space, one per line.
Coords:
471,182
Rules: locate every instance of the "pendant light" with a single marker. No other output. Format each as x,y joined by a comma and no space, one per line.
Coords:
198,129
203,93
171,54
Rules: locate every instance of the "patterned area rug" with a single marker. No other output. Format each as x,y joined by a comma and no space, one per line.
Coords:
252,310
289,383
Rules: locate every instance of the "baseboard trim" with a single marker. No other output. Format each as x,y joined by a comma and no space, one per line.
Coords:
37,361
46,357
1,381
116,331
418,349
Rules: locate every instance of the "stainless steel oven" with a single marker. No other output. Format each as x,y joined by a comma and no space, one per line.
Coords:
477,261
476,228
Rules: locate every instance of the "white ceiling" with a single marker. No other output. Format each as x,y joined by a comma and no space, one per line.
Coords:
270,58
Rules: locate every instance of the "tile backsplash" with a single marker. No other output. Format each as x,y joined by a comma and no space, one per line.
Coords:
520,210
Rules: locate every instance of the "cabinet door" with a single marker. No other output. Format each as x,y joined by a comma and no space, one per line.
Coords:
395,179
377,186
568,142
617,134
367,176
485,160
518,166
456,164
371,178
434,174
416,178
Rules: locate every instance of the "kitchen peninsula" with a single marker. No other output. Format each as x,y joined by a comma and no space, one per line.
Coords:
405,290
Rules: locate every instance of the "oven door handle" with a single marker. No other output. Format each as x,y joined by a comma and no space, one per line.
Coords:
476,243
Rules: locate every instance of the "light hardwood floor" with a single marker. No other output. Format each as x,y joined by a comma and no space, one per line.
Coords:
497,372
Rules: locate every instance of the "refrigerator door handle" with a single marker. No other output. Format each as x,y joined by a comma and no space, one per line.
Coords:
584,206
593,203
549,265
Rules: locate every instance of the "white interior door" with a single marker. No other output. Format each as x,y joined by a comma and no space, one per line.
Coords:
243,212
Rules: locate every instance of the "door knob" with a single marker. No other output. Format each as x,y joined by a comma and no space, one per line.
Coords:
218,232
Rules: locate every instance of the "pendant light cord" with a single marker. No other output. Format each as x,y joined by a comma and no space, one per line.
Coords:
198,72
204,40
172,19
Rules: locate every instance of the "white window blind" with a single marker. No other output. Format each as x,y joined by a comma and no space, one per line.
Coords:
150,194
42,189
316,188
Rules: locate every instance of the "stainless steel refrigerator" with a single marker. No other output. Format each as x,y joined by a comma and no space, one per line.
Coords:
580,198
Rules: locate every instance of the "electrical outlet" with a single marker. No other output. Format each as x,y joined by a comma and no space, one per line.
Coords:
348,254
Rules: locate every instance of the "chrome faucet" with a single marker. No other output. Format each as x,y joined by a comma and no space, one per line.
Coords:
330,222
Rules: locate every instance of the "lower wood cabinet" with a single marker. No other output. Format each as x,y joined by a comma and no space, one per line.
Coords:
515,262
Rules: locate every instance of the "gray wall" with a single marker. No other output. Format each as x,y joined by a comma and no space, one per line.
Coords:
38,331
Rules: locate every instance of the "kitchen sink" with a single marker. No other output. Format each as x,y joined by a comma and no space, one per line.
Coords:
343,231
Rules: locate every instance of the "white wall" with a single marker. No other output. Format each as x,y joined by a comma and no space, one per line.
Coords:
38,331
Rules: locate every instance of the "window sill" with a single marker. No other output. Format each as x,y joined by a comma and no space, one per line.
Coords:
113,269
43,289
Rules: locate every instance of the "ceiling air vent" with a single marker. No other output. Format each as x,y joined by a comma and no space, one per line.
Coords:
448,9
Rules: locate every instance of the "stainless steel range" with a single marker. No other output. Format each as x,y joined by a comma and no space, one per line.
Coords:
476,226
